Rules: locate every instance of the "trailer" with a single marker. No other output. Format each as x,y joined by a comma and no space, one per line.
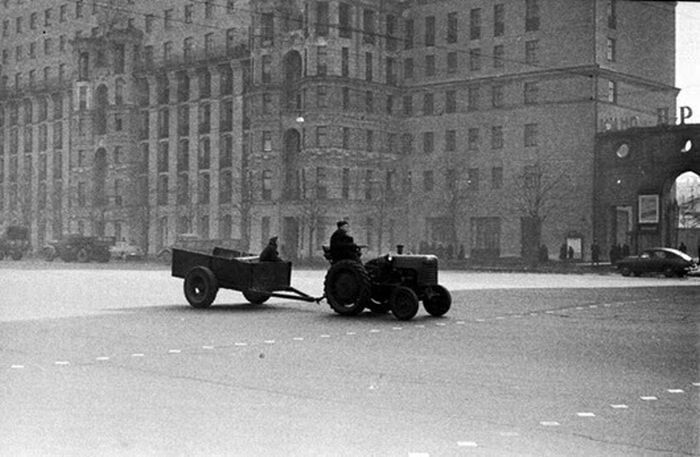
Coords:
205,274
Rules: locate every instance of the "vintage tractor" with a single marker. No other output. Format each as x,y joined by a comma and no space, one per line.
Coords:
395,283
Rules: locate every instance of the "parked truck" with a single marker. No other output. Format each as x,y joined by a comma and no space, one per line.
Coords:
14,242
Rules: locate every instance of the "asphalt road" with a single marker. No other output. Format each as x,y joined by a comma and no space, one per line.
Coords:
111,361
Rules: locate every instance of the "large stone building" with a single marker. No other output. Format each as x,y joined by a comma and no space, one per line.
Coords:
457,122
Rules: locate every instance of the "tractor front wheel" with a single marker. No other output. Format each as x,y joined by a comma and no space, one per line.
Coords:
201,287
404,303
347,287
437,300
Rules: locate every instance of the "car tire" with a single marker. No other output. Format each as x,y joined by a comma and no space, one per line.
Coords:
437,300
404,303
669,272
625,271
200,287
83,256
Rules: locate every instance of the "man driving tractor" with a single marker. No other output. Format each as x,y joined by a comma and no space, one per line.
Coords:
342,244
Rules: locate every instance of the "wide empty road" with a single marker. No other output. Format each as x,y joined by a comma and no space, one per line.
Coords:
111,361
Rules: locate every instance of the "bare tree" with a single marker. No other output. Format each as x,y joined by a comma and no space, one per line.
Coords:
312,215
536,192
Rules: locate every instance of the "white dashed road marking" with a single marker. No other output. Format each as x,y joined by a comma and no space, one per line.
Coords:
325,336
240,344
585,414
269,341
62,362
675,391
550,423
620,406
649,398
174,351
102,359
467,444
17,367
298,338
207,347
509,434
137,355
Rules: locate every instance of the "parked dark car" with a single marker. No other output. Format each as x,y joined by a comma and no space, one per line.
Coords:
14,242
670,262
79,248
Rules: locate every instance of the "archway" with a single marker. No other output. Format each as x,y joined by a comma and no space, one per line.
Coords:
685,192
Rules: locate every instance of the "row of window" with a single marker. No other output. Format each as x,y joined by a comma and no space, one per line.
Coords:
203,185
316,186
366,138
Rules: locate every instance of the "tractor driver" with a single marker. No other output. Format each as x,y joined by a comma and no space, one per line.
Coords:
342,245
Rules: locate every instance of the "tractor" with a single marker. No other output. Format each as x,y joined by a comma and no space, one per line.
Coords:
393,282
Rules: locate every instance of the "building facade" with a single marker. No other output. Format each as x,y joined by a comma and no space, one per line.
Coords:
424,123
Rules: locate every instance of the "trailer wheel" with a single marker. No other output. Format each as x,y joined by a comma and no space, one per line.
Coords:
201,287
347,287
437,300
256,298
404,303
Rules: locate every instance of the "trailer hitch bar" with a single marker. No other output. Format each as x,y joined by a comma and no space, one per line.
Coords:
299,295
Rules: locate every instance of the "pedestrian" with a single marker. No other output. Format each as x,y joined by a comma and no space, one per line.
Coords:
614,254
682,247
543,253
562,251
461,255
595,253
270,253
571,252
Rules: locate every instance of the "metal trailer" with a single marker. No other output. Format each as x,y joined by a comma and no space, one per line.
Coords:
205,274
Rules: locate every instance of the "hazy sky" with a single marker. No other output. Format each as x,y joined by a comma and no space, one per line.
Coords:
688,56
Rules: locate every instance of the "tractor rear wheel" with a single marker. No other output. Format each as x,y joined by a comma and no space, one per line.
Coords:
347,287
404,303
201,287
437,300
83,255
256,298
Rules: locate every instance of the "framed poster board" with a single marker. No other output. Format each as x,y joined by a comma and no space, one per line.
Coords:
648,209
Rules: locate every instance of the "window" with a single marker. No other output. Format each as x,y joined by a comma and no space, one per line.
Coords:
183,120
149,20
208,9
430,31
473,98
475,24
408,34
226,151
321,189
473,178
496,177
475,59
267,103
473,139
266,185
18,24
163,123
429,65
531,93
530,135
662,116
428,105
267,141
451,101
369,101
226,116
532,16
499,19
62,11
369,182
47,17
452,62
408,68
204,79
428,142
47,47
167,51
450,140
188,48
322,18
612,91
390,71
345,184
368,66
531,48
612,14
368,26
428,183
32,21
204,154
610,54
268,30
118,122
391,39
203,192
369,140
225,191
183,188
498,56
321,64
408,105
497,95
266,69
346,98
452,27
168,19
230,41
204,118
497,137
189,10
183,155
321,136
345,62
163,158
344,20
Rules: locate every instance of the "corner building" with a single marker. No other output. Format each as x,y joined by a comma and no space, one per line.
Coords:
422,122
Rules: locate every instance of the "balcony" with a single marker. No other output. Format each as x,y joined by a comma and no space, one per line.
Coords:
195,58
